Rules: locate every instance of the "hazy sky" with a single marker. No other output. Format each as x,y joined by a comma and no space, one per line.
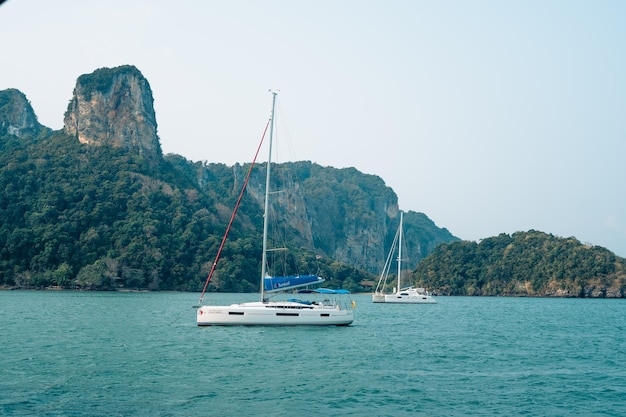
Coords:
488,116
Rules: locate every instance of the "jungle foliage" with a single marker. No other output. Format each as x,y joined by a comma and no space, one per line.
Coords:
101,79
96,217
529,263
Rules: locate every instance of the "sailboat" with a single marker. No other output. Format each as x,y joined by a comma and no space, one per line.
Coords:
408,295
290,312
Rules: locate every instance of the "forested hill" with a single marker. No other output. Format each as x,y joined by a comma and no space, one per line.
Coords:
102,216
524,264
96,205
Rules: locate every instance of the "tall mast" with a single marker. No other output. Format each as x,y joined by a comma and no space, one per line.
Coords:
266,210
399,252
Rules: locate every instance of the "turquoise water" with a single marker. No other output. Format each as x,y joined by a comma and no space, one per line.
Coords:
141,354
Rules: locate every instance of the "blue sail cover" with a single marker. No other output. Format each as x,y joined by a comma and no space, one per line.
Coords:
324,291
273,284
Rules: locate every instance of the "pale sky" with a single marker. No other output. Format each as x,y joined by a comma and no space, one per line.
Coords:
489,116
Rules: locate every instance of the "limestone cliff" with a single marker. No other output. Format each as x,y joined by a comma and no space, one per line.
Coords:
350,216
16,115
114,106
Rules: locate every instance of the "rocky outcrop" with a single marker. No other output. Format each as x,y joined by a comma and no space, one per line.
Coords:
114,106
16,115
350,216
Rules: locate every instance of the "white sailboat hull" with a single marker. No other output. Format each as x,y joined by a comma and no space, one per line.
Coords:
378,298
405,299
273,314
409,296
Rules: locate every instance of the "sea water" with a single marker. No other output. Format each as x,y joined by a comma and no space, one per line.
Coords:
68,353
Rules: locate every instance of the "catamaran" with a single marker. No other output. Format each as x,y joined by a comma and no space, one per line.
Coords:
409,295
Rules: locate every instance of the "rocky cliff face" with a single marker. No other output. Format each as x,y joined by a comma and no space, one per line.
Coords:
16,115
114,107
350,216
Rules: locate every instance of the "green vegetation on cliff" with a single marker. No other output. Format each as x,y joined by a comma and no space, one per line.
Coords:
523,264
100,217
101,79
98,206
91,215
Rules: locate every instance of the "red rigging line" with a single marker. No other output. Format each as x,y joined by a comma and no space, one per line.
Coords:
232,217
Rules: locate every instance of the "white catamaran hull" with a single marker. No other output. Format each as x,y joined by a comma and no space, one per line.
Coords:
378,298
405,299
273,314
411,296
